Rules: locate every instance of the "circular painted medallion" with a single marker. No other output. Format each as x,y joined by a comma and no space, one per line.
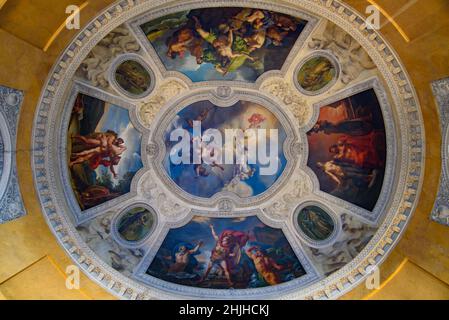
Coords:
315,223
317,74
133,78
135,224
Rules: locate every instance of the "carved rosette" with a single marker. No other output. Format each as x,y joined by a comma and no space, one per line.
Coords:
288,97
167,91
299,187
165,204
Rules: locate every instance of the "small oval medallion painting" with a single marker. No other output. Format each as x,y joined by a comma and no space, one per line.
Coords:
133,78
317,74
135,224
315,223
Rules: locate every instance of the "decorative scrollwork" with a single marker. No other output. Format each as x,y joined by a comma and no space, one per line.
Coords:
352,57
148,110
167,205
152,150
287,95
95,67
224,91
225,205
298,187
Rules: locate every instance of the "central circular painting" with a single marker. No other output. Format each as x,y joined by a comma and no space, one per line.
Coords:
238,149
191,151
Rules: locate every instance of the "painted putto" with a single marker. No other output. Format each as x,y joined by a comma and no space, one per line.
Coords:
205,179
224,43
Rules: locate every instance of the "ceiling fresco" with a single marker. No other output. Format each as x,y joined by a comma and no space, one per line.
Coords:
103,149
237,253
223,43
243,179
347,149
254,151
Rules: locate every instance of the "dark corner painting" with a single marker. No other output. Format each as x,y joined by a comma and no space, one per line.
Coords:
224,43
347,149
224,253
103,150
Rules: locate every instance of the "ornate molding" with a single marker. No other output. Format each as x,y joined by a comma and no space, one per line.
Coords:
167,91
440,212
11,203
286,95
96,67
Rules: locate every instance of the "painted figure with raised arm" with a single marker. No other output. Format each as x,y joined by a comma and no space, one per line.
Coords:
227,252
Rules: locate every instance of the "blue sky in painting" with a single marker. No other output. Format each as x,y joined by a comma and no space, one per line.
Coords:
269,55
272,241
117,119
184,175
198,230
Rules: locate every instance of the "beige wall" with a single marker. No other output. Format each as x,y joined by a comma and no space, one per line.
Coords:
426,57
32,263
